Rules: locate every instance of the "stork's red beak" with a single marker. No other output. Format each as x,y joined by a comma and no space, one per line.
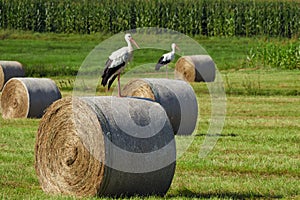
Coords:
133,41
177,48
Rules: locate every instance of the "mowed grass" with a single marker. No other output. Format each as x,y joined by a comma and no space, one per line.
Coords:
257,154
63,54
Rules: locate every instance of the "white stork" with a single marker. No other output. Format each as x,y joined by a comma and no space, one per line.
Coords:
117,62
166,58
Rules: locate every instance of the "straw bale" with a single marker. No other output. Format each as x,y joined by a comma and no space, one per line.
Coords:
196,68
10,69
28,97
177,97
83,150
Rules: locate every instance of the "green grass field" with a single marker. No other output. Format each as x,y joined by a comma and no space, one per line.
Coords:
256,155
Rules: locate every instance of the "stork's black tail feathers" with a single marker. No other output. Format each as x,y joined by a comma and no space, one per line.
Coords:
158,66
104,79
107,80
110,81
110,73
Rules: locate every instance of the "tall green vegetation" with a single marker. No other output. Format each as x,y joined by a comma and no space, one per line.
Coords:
203,17
275,55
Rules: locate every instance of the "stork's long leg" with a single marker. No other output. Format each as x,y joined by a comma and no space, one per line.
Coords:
119,85
166,71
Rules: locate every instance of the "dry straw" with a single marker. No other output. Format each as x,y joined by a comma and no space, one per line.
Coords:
28,97
196,68
86,146
10,69
177,97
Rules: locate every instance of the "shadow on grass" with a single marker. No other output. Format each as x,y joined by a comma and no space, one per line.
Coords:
185,193
216,135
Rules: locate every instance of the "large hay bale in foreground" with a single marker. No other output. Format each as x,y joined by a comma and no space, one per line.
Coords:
177,97
106,146
28,97
8,70
196,68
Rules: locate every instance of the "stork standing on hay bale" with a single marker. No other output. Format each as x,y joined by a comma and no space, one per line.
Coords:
165,59
116,62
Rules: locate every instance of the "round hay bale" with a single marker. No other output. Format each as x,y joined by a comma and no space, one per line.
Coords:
28,97
177,97
105,146
8,70
196,68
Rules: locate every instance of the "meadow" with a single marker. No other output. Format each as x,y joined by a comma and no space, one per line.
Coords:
256,154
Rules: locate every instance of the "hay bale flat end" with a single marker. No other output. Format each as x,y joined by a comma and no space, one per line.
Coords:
196,68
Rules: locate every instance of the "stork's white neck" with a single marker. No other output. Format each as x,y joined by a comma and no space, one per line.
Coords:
129,45
173,49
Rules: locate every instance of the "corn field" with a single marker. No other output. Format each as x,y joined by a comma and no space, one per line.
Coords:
202,17
280,56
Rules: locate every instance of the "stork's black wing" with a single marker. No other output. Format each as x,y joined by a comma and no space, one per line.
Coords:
109,72
161,62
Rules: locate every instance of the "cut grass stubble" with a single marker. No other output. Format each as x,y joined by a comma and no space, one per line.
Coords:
257,153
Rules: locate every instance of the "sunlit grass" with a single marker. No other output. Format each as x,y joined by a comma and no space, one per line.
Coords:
256,154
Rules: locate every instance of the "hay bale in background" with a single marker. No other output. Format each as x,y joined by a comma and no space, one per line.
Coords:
177,97
86,146
28,97
8,70
196,68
